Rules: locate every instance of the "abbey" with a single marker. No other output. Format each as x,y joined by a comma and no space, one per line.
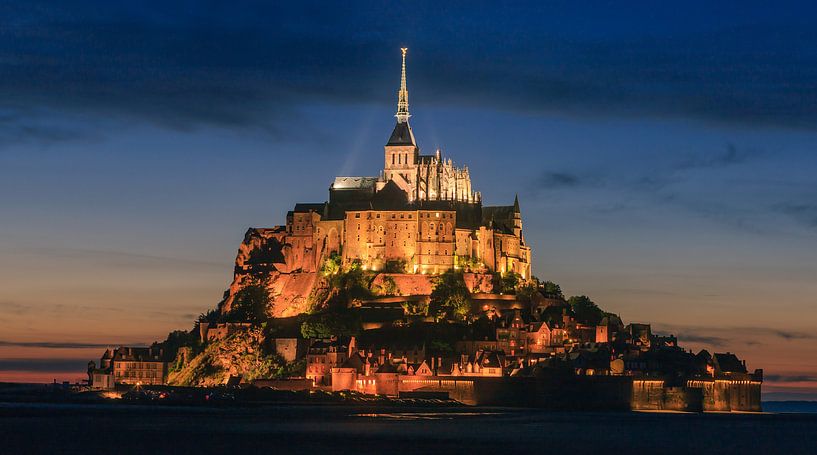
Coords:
420,212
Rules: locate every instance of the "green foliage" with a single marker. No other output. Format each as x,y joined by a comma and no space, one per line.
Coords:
328,324
250,304
291,369
440,347
180,339
467,263
506,283
552,290
353,284
332,264
243,353
416,308
526,291
450,298
584,310
387,287
395,266
212,316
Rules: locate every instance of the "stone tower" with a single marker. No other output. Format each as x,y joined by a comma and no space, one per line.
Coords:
401,151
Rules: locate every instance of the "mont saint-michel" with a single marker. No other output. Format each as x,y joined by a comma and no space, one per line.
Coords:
405,285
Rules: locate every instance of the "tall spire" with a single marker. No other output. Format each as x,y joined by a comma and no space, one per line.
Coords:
402,96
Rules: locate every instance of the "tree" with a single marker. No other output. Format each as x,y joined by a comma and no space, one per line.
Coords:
353,284
250,304
506,283
332,264
450,298
525,292
329,324
552,290
585,311
212,316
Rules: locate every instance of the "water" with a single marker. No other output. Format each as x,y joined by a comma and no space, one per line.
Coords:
315,429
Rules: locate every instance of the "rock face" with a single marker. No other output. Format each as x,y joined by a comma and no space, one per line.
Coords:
242,354
266,255
287,264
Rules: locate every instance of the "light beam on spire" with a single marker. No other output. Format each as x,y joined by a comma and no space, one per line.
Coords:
402,96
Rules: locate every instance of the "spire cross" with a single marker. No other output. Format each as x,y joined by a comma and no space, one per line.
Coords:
402,96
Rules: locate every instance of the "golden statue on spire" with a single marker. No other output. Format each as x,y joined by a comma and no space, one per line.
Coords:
402,96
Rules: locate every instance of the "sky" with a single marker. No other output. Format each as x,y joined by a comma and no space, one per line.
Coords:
664,156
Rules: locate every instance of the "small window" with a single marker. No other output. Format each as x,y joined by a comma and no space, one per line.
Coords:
357,215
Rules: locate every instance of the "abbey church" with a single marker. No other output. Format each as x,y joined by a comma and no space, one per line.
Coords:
421,212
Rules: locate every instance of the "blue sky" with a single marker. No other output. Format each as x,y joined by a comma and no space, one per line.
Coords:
664,155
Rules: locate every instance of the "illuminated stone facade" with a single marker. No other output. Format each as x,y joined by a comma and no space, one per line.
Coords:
420,211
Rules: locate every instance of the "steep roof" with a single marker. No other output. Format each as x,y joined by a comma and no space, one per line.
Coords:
390,197
387,367
729,363
402,135
500,216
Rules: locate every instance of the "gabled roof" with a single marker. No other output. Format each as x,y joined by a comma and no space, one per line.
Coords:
355,361
402,135
390,197
490,359
729,363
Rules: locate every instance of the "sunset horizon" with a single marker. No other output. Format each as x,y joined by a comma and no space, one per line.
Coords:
664,167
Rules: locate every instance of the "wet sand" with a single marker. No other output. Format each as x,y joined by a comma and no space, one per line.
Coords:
72,428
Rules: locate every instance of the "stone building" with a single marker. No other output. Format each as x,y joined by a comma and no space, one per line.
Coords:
421,213
145,366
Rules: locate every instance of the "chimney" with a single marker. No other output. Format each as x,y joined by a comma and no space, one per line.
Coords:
352,347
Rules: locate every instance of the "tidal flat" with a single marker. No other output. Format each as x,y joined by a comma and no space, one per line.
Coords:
123,429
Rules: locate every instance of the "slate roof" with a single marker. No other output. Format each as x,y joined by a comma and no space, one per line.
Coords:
490,359
303,207
137,355
390,197
501,216
387,367
729,363
402,135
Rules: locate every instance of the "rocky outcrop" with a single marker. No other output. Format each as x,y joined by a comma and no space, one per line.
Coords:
265,256
242,354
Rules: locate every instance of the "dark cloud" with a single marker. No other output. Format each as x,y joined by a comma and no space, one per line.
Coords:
17,127
803,213
64,344
7,307
789,378
554,180
44,365
120,258
251,65
722,336
709,340
731,156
